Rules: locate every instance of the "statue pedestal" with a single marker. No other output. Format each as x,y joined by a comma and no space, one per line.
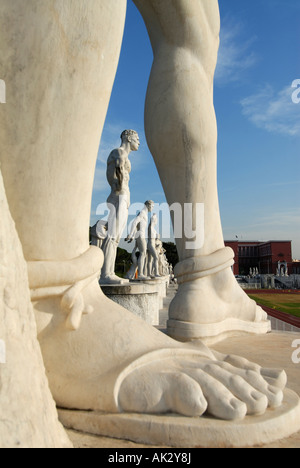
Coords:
177,431
140,298
161,285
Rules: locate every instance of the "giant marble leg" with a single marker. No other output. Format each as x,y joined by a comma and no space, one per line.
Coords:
59,59
181,132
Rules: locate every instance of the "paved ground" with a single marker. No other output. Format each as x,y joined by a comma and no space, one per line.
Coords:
272,350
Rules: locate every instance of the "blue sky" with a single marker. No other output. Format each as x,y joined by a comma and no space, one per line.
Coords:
258,123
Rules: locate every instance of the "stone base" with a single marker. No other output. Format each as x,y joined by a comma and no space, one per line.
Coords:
211,333
176,431
162,287
139,298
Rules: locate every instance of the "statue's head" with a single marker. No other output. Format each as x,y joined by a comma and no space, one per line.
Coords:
149,204
131,136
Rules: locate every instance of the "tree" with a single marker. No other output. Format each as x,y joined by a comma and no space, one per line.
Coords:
171,253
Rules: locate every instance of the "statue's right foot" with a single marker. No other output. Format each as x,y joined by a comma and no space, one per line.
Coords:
116,362
192,385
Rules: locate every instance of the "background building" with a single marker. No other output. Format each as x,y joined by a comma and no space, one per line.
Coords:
262,255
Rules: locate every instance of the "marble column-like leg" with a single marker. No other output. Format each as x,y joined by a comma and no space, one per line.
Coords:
181,132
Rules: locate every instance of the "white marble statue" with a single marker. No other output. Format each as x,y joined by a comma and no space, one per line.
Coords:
162,260
118,170
98,233
132,272
283,268
185,40
28,416
138,233
152,259
97,355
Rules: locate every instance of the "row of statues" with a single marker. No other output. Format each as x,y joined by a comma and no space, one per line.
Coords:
148,259
281,270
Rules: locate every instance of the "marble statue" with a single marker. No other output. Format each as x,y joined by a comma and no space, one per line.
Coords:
138,233
28,417
132,272
98,233
186,160
163,266
282,269
118,170
97,355
152,260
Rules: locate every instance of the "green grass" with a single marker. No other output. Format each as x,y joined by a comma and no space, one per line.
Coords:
288,303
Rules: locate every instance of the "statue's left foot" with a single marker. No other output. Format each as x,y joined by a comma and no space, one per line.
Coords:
110,360
210,304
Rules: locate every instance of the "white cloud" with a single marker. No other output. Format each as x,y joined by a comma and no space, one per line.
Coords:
273,111
100,183
110,139
235,55
279,220
277,225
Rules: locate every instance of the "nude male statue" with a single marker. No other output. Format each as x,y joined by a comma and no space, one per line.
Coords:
138,232
153,264
118,170
98,355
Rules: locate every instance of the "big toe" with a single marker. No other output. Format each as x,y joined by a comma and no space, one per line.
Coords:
184,396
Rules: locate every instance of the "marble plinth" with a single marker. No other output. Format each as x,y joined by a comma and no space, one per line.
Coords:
142,299
176,431
161,285
272,430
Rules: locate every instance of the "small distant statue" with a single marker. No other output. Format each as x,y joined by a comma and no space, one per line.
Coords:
98,233
118,170
152,264
282,268
138,232
131,273
163,264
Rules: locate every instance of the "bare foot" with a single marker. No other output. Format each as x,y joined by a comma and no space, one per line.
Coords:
116,362
193,386
213,305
